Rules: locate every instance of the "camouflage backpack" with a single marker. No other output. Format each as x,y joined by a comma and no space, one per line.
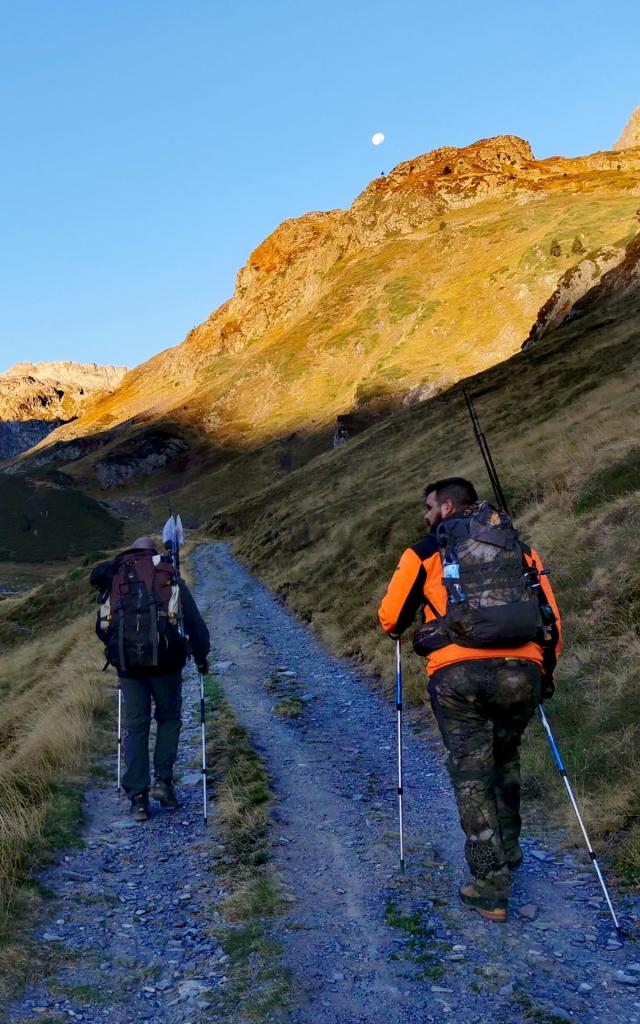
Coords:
492,600
140,615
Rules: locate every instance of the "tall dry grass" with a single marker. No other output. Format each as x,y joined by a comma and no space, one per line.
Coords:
53,702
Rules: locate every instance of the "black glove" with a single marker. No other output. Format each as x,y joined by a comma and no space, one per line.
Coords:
548,688
203,667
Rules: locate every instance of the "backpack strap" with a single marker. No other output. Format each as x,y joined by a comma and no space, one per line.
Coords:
153,623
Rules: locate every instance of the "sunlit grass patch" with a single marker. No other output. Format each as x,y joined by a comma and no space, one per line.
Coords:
259,985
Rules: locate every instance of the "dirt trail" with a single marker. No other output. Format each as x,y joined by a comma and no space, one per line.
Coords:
363,943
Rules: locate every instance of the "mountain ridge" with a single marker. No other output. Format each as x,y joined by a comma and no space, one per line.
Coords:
437,270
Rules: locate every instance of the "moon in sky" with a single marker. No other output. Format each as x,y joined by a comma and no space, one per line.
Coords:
377,139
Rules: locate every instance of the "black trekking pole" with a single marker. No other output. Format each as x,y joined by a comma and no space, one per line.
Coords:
486,454
399,719
119,787
499,494
204,749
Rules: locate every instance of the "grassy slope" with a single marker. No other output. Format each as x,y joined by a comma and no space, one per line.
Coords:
53,707
562,420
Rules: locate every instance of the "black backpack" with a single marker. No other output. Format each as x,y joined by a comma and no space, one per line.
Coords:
140,615
492,594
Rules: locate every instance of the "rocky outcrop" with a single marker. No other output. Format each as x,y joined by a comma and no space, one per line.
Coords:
575,283
140,457
631,133
618,285
36,398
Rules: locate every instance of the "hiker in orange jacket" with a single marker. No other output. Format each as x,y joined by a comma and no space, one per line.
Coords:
482,696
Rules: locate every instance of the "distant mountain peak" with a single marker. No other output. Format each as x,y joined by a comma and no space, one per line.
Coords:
89,375
631,134
35,398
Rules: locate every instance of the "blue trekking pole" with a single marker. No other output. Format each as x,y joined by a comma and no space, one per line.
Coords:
574,804
399,713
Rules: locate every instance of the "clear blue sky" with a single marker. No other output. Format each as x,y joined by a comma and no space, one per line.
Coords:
150,145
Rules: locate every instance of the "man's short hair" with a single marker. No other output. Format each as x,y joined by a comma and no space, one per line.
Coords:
453,488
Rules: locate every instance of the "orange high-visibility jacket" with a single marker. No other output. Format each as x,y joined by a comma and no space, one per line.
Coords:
419,576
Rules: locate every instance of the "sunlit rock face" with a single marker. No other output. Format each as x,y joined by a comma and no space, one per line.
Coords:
631,134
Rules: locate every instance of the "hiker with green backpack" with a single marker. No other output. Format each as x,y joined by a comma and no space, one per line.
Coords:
149,624
491,637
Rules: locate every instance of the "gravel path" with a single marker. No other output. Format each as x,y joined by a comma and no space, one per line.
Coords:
128,934
363,943
130,928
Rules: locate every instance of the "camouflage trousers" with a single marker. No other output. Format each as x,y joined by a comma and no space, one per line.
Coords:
482,708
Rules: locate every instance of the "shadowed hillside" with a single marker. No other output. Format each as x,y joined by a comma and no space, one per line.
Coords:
50,522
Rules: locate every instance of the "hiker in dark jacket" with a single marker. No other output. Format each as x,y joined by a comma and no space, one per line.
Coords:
160,678
482,696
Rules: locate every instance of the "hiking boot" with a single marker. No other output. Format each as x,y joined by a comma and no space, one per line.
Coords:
514,859
492,909
140,807
164,793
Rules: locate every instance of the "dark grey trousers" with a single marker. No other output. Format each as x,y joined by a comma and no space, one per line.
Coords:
137,694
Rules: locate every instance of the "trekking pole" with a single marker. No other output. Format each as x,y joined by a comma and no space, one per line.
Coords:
204,750
399,712
574,804
119,787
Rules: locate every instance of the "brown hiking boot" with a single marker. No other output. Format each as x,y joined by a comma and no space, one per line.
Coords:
164,793
490,909
140,807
